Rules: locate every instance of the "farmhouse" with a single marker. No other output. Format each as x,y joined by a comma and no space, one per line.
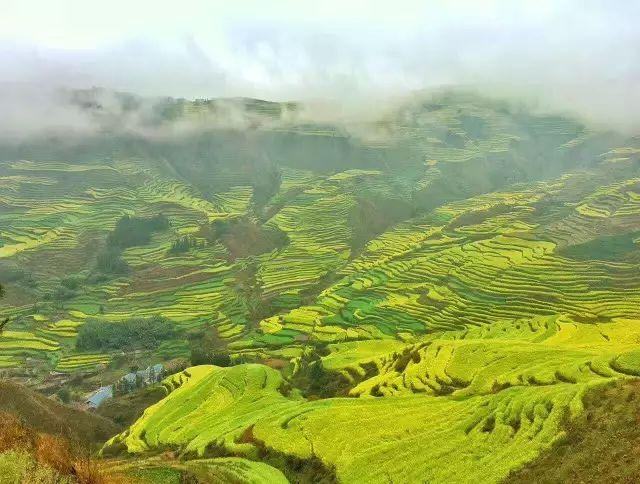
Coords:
99,396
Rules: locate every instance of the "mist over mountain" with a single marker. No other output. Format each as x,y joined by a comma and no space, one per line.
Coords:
564,57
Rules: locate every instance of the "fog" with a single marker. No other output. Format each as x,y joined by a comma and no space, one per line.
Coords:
348,60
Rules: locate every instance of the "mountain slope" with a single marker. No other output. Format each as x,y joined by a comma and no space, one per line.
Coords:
434,292
599,447
45,415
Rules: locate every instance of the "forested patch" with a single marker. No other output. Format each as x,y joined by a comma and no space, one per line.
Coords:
134,333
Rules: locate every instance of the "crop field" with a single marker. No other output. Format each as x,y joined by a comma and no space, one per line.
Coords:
428,300
500,393
79,362
220,469
316,223
474,263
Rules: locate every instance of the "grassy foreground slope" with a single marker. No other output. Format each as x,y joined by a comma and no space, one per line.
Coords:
45,415
216,470
459,407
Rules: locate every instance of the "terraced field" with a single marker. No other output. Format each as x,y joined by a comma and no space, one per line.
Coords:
501,393
429,302
473,263
317,225
189,289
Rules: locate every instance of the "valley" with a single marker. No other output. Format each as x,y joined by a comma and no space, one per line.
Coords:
432,302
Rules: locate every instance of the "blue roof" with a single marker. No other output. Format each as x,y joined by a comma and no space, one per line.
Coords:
100,395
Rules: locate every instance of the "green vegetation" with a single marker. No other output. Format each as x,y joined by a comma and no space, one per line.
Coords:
131,334
437,299
110,261
183,244
128,232
610,248
127,408
132,231
504,393
20,466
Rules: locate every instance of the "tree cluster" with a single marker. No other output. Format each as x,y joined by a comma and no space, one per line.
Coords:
134,231
131,334
128,232
184,244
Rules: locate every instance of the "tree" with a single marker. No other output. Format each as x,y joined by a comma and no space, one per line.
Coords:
133,231
110,261
64,394
3,322
130,334
183,244
207,348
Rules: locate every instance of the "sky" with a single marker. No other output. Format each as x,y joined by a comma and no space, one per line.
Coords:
566,55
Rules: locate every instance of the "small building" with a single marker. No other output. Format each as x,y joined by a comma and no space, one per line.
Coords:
127,383
99,396
136,379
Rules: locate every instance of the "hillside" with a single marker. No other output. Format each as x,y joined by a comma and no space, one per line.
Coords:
45,415
599,447
434,292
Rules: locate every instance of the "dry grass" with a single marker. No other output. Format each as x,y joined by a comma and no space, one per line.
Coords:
88,471
54,452
14,434
602,446
47,416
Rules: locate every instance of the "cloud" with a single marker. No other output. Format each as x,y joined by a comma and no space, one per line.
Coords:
569,56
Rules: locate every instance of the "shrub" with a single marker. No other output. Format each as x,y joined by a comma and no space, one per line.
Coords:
19,466
64,394
16,275
14,434
11,273
243,237
71,282
87,471
54,452
62,293
29,281
29,456
129,232
110,261
217,358
207,348
135,333
203,356
183,244
266,184
132,231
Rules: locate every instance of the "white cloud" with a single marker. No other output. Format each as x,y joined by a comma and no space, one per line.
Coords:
571,54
